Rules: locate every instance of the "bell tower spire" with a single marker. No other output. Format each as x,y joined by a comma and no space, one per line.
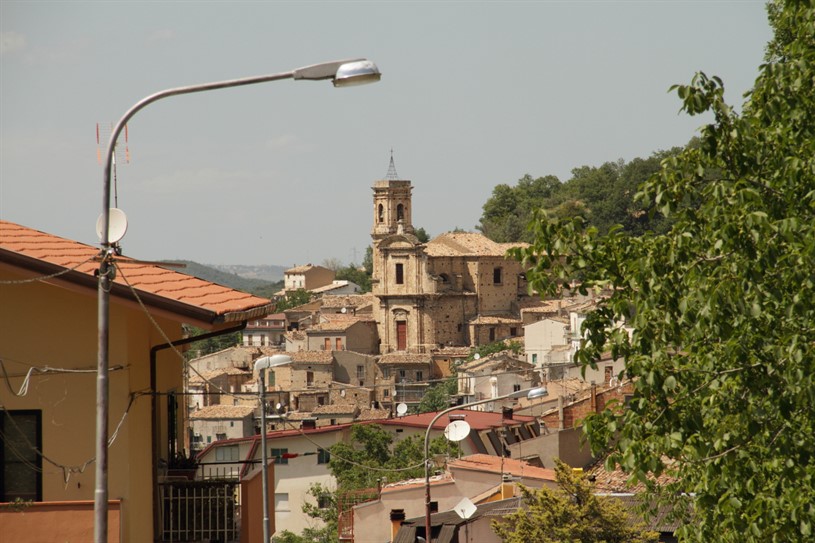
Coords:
392,205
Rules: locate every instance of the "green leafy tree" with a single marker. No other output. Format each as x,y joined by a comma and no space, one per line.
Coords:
356,275
571,513
438,396
372,455
722,306
210,345
324,510
422,235
293,299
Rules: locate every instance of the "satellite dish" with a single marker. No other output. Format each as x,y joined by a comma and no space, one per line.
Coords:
343,310
117,225
465,508
457,430
476,356
401,409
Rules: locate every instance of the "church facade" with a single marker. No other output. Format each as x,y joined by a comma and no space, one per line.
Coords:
456,290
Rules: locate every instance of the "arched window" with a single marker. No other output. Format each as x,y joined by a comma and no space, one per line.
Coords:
381,213
400,212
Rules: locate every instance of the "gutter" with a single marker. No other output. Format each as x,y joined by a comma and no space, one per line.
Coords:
154,408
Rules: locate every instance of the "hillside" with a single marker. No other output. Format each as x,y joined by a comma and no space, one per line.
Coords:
259,287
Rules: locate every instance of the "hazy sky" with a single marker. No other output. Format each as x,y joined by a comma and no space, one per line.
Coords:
473,94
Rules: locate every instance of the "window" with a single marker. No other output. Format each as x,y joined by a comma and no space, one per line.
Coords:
380,214
338,344
516,388
220,437
281,501
327,344
230,453
386,373
419,375
496,275
21,474
309,378
513,332
400,274
386,393
400,212
277,454
534,358
324,501
402,375
360,372
323,456
492,334
270,378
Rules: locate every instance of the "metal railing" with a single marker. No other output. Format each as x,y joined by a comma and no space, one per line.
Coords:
199,511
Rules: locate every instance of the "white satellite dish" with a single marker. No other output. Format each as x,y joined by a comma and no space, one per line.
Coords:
117,225
457,430
401,409
465,508
476,356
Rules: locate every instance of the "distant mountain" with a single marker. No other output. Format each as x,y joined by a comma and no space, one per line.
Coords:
259,287
272,274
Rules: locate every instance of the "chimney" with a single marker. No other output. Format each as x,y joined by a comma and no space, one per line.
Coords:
397,518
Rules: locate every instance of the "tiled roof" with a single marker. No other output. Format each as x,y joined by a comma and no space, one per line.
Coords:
465,244
497,464
311,357
302,269
334,285
335,409
295,335
405,358
453,352
336,322
223,412
373,414
183,294
495,319
212,374
347,300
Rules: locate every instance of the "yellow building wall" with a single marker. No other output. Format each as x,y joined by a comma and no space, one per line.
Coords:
54,324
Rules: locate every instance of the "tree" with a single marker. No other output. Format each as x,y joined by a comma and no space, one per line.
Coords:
208,346
293,299
422,235
722,306
372,456
438,396
325,511
570,513
356,275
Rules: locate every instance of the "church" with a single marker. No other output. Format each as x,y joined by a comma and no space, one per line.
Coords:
457,290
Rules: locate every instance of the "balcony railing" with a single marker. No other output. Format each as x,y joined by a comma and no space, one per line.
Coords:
199,511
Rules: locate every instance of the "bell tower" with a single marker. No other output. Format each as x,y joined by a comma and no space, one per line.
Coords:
392,205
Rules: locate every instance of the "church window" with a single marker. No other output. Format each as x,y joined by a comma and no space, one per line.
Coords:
400,274
381,213
400,212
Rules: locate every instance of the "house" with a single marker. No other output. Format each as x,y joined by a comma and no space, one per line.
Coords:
266,331
541,337
458,289
308,277
479,477
337,287
306,379
49,425
402,378
219,422
340,332
300,458
354,304
493,376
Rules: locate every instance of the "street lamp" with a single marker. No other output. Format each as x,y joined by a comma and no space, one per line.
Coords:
343,73
529,393
261,365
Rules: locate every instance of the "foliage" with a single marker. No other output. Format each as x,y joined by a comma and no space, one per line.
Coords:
332,263
210,345
183,461
422,235
570,513
603,196
722,305
515,347
356,275
374,457
293,298
438,396
368,261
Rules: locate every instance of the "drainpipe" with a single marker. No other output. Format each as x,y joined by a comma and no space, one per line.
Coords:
154,407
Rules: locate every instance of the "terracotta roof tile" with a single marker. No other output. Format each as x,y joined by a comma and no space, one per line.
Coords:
38,250
335,409
312,357
495,319
405,358
465,244
373,414
223,412
496,464
347,300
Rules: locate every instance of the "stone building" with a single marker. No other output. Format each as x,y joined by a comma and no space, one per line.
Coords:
458,289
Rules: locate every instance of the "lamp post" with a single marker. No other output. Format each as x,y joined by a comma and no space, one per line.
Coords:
343,73
529,393
261,365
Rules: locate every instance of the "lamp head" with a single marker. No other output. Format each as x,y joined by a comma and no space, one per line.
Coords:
360,72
